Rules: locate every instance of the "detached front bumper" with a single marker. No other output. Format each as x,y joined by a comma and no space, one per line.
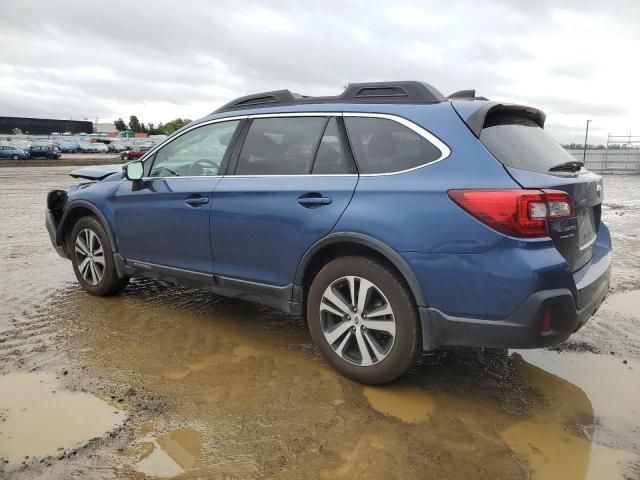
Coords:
51,224
569,309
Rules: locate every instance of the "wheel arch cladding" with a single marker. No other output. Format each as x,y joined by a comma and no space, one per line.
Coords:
341,244
77,210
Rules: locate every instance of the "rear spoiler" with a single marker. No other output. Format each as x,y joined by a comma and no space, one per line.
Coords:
476,120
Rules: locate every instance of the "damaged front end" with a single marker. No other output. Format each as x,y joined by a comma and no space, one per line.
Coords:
56,202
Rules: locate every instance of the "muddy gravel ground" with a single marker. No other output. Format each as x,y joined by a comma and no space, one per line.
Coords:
67,159
168,382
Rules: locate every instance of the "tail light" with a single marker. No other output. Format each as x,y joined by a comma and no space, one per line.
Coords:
518,213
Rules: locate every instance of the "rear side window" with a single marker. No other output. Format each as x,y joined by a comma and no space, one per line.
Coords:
280,146
331,158
384,146
521,143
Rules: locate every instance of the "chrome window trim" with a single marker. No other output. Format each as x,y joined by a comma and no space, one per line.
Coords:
445,151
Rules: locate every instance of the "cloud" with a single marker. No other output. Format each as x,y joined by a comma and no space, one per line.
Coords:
164,59
572,70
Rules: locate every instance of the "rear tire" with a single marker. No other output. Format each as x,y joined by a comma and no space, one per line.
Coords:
92,258
371,337
15,157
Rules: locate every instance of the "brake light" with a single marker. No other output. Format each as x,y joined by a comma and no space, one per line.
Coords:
518,213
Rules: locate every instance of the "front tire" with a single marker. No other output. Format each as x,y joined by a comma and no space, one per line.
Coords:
364,320
90,253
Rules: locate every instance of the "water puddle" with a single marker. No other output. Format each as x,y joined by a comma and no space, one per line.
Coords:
245,378
591,415
41,419
238,354
405,402
171,454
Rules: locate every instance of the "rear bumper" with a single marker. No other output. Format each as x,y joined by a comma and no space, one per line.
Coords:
521,329
570,308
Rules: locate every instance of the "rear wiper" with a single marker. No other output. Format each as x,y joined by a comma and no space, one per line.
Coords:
570,166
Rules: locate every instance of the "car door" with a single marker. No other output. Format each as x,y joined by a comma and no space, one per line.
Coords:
163,220
293,178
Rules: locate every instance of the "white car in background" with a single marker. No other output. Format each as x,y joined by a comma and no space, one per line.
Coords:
100,147
86,147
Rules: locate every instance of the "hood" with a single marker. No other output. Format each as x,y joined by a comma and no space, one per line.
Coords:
97,172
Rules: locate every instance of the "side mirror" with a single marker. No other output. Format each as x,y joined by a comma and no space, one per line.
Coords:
134,171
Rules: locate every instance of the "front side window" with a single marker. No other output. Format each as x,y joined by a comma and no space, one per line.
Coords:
384,146
280,146
196,153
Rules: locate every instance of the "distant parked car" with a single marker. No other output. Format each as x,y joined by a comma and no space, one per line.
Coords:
44,151
14,153
100,147
135,153
117,147
69,147
87,147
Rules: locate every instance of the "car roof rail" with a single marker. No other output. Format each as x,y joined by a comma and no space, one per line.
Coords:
370,92
465,95
265,99
404,91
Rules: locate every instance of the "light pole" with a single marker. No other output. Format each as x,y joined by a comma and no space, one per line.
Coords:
584,151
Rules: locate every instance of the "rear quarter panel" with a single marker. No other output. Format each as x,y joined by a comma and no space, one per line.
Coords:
412,212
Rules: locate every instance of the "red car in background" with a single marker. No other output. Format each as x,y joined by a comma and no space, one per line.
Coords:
135,153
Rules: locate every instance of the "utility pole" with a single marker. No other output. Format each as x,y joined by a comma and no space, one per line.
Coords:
584,151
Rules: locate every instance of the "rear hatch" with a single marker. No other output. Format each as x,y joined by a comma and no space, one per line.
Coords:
536,161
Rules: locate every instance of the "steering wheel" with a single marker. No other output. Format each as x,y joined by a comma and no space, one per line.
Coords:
197,168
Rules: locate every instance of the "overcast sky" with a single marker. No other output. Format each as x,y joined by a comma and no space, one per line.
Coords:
576,60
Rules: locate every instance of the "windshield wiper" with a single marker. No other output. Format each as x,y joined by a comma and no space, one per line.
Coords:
570,166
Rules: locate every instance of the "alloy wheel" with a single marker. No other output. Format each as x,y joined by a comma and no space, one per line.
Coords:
89,256
357,321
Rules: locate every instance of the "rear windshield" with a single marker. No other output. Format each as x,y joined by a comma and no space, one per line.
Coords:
520,143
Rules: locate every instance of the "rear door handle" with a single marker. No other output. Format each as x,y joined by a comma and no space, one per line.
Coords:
196,202
314,201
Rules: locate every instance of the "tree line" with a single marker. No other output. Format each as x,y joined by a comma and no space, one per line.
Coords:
137,126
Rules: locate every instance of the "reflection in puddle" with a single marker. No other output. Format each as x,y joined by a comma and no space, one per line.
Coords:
171,454
41,419
406,402
612,387
557,440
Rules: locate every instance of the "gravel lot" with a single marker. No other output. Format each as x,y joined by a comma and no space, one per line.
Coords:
163,381
67,159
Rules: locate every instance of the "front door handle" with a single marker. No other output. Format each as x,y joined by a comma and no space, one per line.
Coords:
313,200
196,202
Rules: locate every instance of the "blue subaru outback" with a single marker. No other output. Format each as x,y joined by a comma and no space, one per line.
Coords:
396,219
